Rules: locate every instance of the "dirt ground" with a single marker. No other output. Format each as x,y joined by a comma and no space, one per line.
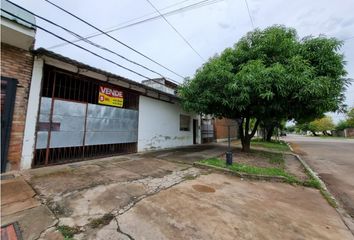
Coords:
149,197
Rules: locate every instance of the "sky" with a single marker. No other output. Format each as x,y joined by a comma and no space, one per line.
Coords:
209,28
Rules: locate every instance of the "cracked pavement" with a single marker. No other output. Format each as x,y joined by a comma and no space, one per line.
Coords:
80,192
149,197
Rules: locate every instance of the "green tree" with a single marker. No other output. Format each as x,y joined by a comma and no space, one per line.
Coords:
323,125
269,75
290,129
350,118
348,122
341,125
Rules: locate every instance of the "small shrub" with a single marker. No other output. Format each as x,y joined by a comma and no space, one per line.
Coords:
68,232
102,221
312,182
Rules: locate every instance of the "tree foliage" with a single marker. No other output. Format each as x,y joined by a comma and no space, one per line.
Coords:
269,75
323,125
350,118
341,125
348,122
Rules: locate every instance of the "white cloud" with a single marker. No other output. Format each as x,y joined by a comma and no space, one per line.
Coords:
209,29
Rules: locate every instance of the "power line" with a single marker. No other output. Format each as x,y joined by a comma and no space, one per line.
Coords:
63,39
87,41
184,39
113,38
127,24
91,52
249,14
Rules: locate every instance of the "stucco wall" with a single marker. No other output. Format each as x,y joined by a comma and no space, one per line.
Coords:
159,125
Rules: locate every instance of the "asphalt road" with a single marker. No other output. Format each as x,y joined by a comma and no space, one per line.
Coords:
333,160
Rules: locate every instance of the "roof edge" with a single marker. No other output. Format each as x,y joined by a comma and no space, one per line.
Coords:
45,52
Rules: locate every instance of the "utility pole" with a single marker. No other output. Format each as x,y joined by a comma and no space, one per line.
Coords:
229,152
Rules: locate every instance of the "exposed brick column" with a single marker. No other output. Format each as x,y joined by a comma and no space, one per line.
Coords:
17,63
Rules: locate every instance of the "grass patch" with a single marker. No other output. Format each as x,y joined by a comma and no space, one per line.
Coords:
273,145
238,167
102,221
275,158
312,182
68,232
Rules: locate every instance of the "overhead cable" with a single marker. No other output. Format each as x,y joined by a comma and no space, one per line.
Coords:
85,40
138,20
74,44
113,38
181,36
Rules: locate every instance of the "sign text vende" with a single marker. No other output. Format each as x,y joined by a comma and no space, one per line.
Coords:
110,96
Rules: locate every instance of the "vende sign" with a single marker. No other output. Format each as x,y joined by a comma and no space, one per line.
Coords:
110,96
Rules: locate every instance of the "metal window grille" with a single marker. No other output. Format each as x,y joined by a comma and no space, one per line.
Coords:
61,85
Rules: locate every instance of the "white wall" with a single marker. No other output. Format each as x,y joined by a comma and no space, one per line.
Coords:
32,113
159,125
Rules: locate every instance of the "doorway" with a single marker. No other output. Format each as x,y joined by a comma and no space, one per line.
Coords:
195,126
8,95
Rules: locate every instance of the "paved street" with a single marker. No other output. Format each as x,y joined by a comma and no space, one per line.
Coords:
333,160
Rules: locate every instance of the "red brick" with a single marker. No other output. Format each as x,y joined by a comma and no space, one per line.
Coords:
17,63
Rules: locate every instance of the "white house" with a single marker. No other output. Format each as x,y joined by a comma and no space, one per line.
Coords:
68,111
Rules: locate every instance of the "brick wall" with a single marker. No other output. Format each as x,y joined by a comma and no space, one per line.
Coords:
17,63
220,128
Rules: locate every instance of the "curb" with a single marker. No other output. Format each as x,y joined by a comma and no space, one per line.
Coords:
241,175
347,220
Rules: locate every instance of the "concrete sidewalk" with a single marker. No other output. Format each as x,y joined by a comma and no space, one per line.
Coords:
19,205
144,196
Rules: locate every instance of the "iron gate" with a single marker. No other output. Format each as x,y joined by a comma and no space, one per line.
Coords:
72,126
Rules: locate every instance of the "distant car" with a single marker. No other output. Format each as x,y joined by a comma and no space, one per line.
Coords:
283,134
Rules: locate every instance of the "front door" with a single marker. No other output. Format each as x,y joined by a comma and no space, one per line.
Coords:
8,94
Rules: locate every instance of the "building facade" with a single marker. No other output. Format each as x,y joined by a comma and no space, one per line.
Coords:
17,40
67,121
57,110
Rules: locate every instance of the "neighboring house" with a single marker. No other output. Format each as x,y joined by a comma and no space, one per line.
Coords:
162,84
223,127
218,129
67,111
17,40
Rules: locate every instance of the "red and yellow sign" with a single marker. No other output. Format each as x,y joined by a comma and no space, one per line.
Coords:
110,96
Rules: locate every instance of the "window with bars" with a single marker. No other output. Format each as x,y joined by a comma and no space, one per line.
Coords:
184,122
80,88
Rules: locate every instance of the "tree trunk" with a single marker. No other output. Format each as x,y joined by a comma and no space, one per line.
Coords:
264,134
246,146
245,135
270,131
325,133
314,133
